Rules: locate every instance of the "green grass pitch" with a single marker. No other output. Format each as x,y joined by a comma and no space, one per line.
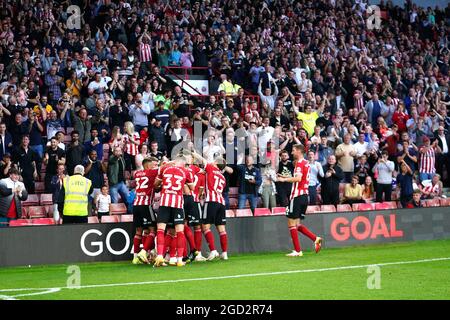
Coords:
407,271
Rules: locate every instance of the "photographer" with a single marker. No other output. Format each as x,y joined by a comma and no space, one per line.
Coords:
139,112
383,171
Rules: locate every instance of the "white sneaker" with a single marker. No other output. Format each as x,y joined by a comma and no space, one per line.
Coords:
224,256
173,261
213,255
295,254
199,257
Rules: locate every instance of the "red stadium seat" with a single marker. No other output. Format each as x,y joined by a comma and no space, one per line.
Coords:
126,218
230,213
233,192
233,202
110,219
24,212
386,205
39,187
432,202
312,209
46,199
20,223
327,208
445,202
343,208
37,212
363,206
117,208
262,212
93,219
279,211
32,200
244,213
43,221
49,210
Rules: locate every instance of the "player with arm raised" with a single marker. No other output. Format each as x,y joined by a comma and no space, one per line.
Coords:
144,219
171,178
192,209
214,210
299,201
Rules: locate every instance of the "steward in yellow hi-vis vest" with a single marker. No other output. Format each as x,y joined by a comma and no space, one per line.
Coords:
76,190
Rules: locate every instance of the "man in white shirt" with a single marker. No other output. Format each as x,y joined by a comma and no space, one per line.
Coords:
361,146
265,134
443,158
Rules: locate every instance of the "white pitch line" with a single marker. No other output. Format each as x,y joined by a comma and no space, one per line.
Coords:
249,275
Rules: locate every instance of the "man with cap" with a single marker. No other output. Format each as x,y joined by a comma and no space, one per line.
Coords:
74,195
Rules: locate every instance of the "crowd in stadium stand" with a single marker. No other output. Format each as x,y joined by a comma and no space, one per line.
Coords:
369,104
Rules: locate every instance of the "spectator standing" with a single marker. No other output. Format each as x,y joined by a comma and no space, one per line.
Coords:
268,189
26,160
139,112
346,153
83,123
405,183
74,194
74,152
116,176
53,156
443,158
6,143
286,170
249,178
330,182
131,145
427,162
102,202
94,170
384,170
315,174
12,192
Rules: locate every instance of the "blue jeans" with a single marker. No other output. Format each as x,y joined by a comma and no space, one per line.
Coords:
426,176
312,195
39,149
227,200
121,188
243,199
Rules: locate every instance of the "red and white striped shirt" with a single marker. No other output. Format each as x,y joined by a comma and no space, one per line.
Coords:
131,148
395,101
432,189
427,161
144,186
173,179
199,182
303,169
215,183
192,171
145,52
359,102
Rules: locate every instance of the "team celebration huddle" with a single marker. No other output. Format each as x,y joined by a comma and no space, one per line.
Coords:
178,221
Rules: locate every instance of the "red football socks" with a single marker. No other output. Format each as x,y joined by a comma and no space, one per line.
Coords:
198,239
295,240
301,228
149,242
223,241
181,241
136,243
160,242
173,247
210,239
190,237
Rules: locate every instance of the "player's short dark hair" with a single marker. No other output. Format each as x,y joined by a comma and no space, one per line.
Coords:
13,171
299,147
220,162
145,161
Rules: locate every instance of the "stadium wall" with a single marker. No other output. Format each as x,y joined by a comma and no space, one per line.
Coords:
36,245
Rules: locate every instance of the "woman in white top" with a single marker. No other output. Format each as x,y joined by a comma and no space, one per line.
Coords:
143,154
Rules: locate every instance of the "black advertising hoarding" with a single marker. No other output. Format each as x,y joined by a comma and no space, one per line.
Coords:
114,242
